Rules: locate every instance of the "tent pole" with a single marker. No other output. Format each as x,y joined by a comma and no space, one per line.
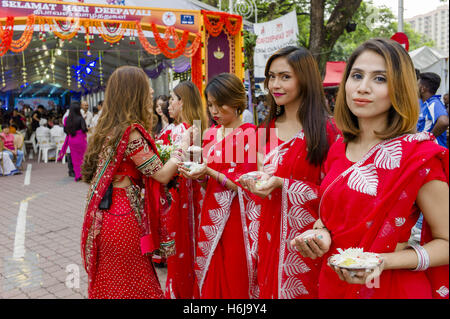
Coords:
400,16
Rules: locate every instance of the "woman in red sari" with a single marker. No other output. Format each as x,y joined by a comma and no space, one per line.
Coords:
164,124
126,213
379,177
298,135
185,203
223,259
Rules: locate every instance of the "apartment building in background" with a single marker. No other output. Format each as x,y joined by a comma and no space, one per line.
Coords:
435,25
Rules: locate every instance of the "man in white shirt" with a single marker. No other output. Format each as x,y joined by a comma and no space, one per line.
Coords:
247,116
56,131
43,130
43,134
85,113
97,115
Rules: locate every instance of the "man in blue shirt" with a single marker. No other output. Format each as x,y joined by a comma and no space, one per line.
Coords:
433,115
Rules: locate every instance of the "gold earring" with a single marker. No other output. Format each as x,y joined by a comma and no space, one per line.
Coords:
278,110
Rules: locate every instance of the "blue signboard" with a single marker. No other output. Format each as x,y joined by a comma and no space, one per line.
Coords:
187,19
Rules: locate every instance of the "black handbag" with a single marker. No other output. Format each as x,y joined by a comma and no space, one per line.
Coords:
107,198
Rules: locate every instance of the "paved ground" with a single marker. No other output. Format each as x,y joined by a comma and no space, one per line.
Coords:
41,215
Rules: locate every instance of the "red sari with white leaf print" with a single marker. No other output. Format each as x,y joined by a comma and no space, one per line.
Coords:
282,272
371,204
176,134
224,266
117,243
165,133
184,219
184,211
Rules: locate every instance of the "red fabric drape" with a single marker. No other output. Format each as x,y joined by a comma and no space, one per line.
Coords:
184,215
223,262
371,205
282,272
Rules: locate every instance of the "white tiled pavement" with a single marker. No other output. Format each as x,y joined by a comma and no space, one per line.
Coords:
40,228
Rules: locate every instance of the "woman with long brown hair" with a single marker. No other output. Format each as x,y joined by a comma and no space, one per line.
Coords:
163,121
186,197
126,216
298,136
379,177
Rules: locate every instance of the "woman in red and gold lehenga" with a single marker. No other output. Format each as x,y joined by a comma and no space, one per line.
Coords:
119,237
379,177
224,248
185,200
298,135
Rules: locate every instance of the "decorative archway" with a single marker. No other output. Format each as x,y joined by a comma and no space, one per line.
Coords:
213,41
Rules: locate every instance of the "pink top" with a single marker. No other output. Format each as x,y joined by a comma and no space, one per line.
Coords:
8,140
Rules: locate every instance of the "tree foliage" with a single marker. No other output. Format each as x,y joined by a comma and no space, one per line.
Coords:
373,22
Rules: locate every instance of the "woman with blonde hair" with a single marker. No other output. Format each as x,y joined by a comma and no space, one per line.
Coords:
187,108
379,177
126,216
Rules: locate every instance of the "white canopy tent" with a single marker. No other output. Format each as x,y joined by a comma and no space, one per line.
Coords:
426,59
127,54
174,4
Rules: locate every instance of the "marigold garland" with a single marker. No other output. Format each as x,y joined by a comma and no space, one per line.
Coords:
62,24
104,29
162,44
214,29
23,42
196,69
7,32
234,29
191,51
145,44
66,29
6,35
64,34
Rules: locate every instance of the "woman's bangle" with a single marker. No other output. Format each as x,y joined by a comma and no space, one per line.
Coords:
224,181
203,180
423,259
177,154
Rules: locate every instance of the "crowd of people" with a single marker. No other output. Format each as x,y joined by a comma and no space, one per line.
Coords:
238,210
49,125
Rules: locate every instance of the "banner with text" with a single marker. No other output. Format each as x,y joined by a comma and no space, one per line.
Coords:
180,19
273,35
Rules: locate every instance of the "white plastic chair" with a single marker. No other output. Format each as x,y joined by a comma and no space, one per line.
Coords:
59,142
32,141
44,145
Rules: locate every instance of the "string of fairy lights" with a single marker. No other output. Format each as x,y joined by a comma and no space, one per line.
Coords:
46,71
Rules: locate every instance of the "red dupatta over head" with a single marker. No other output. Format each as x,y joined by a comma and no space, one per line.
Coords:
153,219
371,204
